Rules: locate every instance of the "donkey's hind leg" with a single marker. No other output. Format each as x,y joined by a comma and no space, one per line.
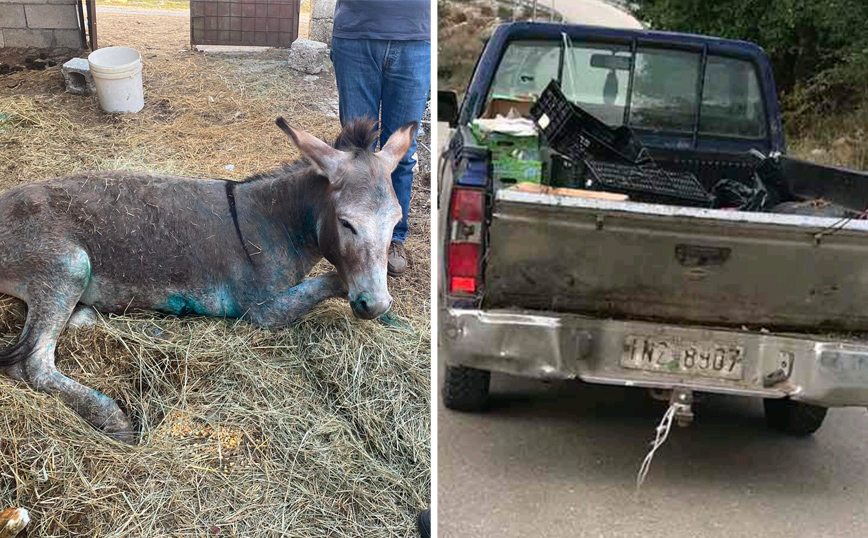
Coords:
52,295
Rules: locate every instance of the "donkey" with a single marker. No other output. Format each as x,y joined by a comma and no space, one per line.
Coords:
121,240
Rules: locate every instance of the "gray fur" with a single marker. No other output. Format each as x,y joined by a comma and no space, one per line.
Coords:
116,241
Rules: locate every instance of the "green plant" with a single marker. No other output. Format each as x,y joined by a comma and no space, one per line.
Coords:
820,63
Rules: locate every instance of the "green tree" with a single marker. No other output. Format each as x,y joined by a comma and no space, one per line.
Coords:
818,46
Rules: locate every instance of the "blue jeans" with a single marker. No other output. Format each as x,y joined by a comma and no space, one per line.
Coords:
396,75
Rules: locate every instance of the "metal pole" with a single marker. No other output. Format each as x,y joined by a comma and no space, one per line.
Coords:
82,25
533,15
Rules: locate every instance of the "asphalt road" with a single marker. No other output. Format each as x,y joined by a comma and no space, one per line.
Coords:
560,460
593,12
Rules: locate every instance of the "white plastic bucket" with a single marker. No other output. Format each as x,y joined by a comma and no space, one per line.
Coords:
117,75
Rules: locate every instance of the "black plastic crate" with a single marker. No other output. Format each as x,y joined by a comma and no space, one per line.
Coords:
566,172
577,134
648,183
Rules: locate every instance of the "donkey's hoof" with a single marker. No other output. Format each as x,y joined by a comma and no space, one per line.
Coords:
84,317
119,428
16,371
391,320
128,437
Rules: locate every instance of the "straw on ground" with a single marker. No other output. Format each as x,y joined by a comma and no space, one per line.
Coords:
321,429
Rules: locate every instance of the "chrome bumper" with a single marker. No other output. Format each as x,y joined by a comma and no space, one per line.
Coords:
563,346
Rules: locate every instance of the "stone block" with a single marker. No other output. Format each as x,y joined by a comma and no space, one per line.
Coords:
2,44
52,16
12,16
307,56
68,39
321,30
76,74
40,39
323,9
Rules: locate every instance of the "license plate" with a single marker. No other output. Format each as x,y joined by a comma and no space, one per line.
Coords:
709,359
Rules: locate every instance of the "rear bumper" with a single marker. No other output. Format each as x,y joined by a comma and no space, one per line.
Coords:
563,346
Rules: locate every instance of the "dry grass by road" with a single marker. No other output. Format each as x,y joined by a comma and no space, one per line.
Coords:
840,140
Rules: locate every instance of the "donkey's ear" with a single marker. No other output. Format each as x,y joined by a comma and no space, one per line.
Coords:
327,158
398,144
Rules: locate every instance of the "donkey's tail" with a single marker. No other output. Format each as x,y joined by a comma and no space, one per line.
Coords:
18,351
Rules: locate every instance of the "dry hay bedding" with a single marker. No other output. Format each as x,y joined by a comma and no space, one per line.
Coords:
319,429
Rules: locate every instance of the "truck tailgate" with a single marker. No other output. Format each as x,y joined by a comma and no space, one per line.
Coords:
656,262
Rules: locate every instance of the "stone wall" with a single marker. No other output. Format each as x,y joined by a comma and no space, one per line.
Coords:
321,21
39,23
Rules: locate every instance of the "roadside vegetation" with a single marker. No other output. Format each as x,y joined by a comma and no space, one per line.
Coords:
819,50
819,56
463,28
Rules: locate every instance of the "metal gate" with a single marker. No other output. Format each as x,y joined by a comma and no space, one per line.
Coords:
271,23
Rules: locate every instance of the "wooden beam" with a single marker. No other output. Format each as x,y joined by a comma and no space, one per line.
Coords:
91,23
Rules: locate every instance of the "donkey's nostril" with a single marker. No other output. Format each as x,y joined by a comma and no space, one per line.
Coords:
362,303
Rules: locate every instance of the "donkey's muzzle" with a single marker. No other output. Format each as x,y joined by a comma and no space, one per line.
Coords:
368,307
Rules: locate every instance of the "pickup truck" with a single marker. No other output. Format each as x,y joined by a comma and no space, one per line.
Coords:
678,298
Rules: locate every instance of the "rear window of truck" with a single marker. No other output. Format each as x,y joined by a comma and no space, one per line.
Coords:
664,95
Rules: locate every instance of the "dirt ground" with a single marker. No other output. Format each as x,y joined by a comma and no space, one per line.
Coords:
321,429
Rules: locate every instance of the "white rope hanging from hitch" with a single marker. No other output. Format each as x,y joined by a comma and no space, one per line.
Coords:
662,433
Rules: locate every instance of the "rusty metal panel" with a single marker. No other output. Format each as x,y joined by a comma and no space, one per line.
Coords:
641,261
263,23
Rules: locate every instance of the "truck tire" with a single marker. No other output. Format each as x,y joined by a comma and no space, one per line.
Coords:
465,389
792,417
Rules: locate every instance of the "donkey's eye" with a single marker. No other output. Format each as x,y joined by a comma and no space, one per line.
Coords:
348,226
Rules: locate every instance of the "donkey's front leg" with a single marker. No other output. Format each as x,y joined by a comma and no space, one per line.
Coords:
287,307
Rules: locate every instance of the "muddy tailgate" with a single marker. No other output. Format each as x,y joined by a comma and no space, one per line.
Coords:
655,262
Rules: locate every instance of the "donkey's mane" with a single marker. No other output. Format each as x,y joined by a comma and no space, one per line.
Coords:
357,136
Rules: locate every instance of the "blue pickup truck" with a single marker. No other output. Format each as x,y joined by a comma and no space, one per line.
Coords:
752,280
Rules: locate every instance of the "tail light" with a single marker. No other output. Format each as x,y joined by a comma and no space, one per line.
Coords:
465,243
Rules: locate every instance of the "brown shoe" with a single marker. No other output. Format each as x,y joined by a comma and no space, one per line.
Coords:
397,259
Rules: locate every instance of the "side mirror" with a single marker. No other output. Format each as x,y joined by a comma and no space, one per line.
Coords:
447,107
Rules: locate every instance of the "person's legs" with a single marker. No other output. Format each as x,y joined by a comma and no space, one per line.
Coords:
406,84
359,75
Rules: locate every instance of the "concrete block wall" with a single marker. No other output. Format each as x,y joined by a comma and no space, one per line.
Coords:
322,21
39,24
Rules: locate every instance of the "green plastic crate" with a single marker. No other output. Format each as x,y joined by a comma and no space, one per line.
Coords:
502,144
518,170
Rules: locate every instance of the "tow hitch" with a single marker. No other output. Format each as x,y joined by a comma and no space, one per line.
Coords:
680,410
681,402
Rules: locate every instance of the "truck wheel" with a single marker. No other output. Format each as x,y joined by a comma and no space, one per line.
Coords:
792,417
465,389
